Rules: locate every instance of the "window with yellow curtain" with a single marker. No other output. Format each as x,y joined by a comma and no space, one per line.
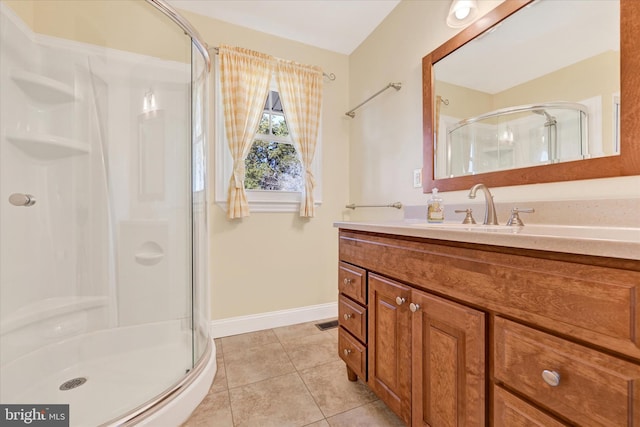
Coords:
275,173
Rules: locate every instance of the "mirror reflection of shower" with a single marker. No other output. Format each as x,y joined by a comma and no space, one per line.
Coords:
551,155
516,137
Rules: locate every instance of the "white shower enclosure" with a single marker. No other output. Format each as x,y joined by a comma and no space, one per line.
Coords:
103,293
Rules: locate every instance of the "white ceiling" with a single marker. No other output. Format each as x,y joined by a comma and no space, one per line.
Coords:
336,25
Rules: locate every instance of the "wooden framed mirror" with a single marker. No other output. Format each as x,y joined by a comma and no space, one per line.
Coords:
625,164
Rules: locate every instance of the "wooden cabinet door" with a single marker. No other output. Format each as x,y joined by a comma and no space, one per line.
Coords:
448,348
390,344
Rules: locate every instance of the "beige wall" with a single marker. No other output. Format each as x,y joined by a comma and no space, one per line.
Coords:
595,76
386,135
278,261
463,102
24,9
155,34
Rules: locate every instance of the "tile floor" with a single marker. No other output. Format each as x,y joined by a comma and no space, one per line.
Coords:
287,377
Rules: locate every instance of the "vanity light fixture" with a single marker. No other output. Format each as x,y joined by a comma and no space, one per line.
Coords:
462,13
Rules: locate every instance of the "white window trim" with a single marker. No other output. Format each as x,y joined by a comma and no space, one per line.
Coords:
259,200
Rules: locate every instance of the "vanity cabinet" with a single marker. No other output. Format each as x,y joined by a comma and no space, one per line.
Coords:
475,335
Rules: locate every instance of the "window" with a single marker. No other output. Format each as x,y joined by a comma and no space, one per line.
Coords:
274,177
273,162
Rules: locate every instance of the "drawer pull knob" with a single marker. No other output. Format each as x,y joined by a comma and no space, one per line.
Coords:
347,281
551,377
414,307
346,351
347,316
400,300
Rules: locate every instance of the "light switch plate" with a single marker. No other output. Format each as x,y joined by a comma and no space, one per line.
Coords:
417,178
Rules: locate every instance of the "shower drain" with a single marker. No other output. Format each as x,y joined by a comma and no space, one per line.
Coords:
73,383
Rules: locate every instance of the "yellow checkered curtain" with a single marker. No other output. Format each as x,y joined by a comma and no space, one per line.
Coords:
301,94
244,82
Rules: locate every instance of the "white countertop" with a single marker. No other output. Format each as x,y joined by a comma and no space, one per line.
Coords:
615,242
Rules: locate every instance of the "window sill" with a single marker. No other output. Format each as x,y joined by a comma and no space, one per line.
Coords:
271,201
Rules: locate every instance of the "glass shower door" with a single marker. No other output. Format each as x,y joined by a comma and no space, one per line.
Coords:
96,206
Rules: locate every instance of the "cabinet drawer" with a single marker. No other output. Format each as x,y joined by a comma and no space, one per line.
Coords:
510,411
352,282
593,388
353,317
353,353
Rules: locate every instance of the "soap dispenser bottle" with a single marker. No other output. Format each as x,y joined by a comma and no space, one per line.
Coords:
435,207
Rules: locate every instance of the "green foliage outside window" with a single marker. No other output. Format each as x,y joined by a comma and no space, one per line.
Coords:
273,164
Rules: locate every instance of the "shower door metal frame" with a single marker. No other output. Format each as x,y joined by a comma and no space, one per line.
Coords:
189,30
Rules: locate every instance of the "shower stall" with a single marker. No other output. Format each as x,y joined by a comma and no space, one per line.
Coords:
103,249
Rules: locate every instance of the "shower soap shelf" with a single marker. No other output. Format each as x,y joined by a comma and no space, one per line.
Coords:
47,147
43,89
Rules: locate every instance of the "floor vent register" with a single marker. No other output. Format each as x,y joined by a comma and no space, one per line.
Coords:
327,325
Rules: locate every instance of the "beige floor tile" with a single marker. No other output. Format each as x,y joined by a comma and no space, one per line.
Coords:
372,414
256,364
331,389
276,402
298,331
256,383
220,380
312,350
246,341
333,332
213,411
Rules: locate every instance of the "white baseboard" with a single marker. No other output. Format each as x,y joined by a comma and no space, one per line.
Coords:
272,319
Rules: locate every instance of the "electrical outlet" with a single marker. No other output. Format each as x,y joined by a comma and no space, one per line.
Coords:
417,178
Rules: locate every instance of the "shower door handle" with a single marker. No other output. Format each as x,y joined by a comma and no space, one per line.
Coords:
19,199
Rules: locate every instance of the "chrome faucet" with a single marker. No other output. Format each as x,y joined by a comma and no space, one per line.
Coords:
490,217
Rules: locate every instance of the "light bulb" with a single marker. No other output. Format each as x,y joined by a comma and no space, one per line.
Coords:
462,12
